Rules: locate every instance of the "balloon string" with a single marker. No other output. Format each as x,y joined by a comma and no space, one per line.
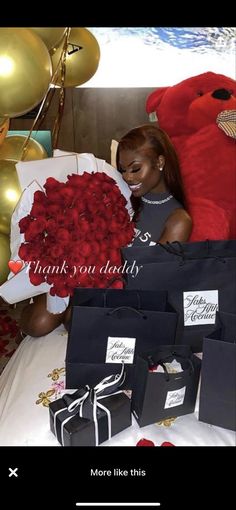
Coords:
48,96
57,125
45,110
62,94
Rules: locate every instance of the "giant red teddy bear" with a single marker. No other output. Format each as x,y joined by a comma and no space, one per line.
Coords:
199,115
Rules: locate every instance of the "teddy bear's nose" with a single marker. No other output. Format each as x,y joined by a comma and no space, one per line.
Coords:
221,94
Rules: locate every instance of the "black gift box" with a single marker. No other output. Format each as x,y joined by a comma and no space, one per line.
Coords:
79,431
217,404
157,396
103,323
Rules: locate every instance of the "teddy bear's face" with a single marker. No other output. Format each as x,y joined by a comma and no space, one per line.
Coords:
192,103
205,108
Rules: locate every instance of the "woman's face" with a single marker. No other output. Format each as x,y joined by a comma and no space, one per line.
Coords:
141,173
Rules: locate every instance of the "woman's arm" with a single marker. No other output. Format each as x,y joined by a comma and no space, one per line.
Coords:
178,227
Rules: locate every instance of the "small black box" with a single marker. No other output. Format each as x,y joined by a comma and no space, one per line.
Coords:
217,404
157,396
78,431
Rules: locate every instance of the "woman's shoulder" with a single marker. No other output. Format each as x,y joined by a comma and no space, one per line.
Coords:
180,215
178,226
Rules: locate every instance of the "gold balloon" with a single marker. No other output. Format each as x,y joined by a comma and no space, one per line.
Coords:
4,257
10,193
25,71
12,149
82,58
3,130
50,36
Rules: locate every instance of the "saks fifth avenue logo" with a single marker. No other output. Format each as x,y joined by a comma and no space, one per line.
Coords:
120,349
200,307
175,398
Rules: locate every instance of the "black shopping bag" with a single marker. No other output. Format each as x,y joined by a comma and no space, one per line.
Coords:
200,279
157,396
110,326
217,404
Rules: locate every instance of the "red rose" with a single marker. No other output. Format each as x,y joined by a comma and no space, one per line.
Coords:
40,197
36,278
114,226
35,227
63,236
85,249
37,210
57,251
24,223
118,284
52,195
53,209
84,225
51,184
67,194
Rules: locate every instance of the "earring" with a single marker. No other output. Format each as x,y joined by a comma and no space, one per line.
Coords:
160,168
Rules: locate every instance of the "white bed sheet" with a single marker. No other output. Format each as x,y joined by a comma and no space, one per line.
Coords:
35,373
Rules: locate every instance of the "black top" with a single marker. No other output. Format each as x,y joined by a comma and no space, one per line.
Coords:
156,208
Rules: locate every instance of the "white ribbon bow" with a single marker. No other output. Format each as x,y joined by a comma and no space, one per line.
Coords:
77,404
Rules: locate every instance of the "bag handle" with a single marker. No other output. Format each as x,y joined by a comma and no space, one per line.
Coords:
172,250
161,361
184,256
166,373
129,309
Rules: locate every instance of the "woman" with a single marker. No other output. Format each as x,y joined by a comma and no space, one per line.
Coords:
148,163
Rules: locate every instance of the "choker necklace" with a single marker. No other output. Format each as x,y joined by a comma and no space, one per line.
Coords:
156,202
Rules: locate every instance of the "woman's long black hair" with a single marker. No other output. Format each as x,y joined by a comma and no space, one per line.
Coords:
158,144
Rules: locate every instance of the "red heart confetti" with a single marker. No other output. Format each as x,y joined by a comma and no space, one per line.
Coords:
15,265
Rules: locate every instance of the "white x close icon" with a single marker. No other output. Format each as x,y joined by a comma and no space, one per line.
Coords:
13,472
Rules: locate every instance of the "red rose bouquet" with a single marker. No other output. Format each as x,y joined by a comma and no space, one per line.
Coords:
74,232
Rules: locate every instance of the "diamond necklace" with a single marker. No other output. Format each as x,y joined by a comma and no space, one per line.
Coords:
157,202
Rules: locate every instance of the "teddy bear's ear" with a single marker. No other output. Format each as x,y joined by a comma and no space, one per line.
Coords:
154,99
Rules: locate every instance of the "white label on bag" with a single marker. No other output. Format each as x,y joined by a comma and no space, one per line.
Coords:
200,307
120,349
175,398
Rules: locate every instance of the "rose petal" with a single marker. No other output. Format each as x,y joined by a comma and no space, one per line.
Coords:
145,442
